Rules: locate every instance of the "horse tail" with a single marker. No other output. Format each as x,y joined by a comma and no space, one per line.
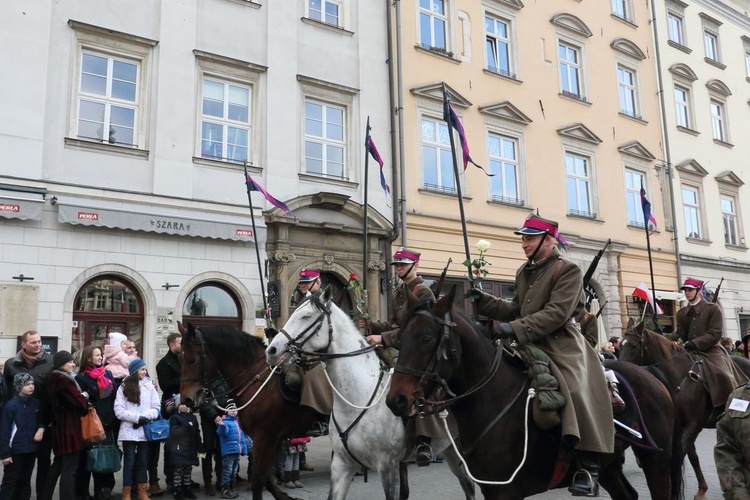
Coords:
676,464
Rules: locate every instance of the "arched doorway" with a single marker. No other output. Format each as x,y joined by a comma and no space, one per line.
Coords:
212,303
103,305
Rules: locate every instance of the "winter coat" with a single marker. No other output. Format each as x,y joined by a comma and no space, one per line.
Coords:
67,406
233,440
732,451
548,296
168,373
128,412
390,330
116,361
105,406
19,422
703,325
40,371
184,441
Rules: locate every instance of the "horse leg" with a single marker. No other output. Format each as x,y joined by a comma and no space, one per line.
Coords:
696,464
389,477
342,471
264,467
403,481
612,479
458,470
656,468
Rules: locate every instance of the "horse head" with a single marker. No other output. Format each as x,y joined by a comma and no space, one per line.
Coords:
308,330
196,366
643,347
429,353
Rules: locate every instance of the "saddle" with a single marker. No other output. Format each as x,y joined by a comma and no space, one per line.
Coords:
293,396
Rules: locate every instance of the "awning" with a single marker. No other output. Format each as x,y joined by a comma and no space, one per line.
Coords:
664,295
142,217
21,204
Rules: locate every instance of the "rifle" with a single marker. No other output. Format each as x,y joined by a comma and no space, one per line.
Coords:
716,292
592,267
441,281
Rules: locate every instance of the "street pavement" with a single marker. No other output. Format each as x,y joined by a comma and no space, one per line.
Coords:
436,482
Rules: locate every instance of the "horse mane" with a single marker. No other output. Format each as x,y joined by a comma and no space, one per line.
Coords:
661,347
226,342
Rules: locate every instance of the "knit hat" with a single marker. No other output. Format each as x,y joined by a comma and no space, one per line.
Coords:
116,338
60,358
20,381
136,365
231,406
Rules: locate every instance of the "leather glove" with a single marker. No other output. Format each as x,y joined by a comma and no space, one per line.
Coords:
474,295
504,330
141,420
689,346
270,332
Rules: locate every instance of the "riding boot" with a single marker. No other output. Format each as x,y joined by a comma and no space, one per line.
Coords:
618,404
292,378
586,479
424,451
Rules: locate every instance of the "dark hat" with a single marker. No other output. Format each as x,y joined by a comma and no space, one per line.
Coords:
60,358
136,365
404,256
20,380
692,283
308,275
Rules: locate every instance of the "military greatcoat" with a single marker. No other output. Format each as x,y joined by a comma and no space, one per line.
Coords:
703,325
549,296
732,451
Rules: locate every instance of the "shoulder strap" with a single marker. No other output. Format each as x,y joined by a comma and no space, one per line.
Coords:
558,269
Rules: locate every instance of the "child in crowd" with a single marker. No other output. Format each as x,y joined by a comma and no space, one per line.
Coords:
295,446
20,434
182,448
233,444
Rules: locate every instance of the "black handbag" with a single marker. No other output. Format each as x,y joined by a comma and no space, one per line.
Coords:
104,458
156,430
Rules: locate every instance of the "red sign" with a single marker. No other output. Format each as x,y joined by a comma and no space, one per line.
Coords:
10,208
247,233
88,216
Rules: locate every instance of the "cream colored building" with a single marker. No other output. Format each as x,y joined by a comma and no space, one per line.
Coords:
705,52
559,100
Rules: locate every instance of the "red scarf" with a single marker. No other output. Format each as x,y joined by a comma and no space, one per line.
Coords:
102,381
31,360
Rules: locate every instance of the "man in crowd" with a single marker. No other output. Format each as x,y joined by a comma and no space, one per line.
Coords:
168,374
32,359
732,450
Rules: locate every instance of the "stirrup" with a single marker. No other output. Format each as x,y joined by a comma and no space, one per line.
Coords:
588,489
424,455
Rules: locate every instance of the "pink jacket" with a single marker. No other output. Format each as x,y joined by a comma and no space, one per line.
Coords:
116,361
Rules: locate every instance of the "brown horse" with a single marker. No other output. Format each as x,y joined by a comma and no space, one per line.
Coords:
683,380
442,352
211,355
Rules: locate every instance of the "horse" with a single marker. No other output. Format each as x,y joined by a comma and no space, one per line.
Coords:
692,401
368,434
444,353
213,355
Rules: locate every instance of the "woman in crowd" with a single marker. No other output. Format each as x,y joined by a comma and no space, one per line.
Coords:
137,402
100,386
67,405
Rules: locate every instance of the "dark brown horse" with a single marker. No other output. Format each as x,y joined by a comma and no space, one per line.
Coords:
214,354
442,352
682,377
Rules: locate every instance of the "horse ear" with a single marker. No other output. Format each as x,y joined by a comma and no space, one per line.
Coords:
181,328
411,297
640,327
445,302
631,323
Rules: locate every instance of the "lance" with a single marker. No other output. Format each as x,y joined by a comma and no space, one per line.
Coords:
364,243
257,250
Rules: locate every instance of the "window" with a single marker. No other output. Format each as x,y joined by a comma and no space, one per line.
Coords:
570,68
711,42
325,11
692,212
747,63
433,24
626,89
225,121
729,218
718,121
107,99
634,180
498,46
437,161
577,171
682,106
324,139
503,153
621,9
675,28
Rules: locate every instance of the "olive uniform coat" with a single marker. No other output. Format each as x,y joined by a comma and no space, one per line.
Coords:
732,451
549,295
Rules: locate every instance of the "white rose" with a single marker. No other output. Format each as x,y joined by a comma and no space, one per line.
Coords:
483,245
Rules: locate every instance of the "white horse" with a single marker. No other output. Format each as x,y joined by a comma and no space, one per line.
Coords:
375,437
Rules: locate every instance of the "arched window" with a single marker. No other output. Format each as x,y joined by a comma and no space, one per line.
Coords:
212,304
104,305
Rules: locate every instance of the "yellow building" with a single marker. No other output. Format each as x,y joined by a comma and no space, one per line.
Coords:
559,101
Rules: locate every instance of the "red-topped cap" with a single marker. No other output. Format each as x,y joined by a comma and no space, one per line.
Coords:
307,275
404,256
692,283
534,225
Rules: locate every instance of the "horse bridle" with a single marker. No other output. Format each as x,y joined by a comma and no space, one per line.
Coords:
695,376
429,374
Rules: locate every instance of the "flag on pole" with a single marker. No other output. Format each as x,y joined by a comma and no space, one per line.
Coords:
254,186
643,293
647,215
370,146
451,117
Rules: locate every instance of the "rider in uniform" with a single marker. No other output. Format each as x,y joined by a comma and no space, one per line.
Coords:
732,451
548,298
700,326
387,333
